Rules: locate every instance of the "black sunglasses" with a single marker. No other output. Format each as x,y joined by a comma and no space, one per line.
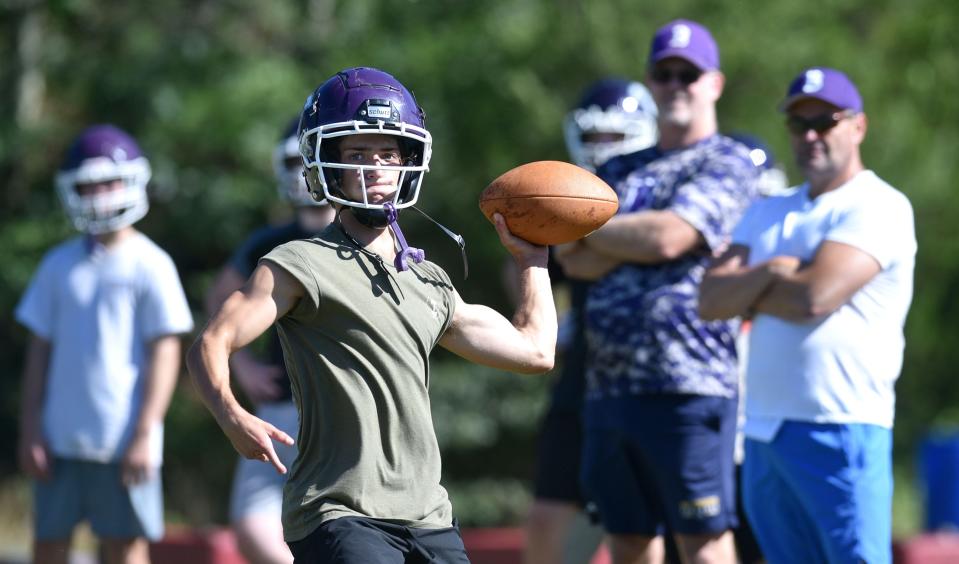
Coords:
665,76
820,124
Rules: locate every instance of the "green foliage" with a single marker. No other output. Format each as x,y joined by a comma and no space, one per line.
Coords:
207,86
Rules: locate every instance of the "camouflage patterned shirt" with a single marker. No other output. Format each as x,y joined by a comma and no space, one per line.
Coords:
643,332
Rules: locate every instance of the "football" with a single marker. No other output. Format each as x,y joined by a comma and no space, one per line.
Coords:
549,202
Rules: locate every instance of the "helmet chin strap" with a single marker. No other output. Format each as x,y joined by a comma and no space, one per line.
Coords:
406,252
379,218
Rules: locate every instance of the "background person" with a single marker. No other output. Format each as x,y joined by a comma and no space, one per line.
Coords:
104,311
662,383
613,117
257,493
826,275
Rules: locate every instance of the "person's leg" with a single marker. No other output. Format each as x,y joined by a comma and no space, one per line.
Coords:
126,551
714,547
747,547
351,540
614,478
548,526
51,551
56,512
125,519
636,549
437,546
692,460
843,476
257,496
557,528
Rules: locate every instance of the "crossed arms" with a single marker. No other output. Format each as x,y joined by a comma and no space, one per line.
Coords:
782,286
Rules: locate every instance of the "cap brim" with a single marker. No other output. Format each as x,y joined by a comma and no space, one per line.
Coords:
792,100
681,54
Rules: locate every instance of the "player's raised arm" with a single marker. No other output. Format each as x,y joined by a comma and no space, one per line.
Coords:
527,344
268,295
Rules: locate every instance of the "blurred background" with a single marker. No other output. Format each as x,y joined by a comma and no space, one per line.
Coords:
206,86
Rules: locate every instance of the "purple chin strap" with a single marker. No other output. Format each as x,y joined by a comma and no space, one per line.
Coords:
406,252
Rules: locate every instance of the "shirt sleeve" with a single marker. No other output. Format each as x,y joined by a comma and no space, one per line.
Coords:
743,232
37,307
882,227
164,309
289,259
714,199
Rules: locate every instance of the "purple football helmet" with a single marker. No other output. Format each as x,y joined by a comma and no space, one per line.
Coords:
357,101
103,153
291,183
611,106
772,178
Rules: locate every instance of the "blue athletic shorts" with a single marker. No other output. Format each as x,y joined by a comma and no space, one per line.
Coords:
658,459
821,493
80,490
359,540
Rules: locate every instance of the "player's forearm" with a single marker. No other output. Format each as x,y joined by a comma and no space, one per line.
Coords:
208,364
647,237
535,317
732,293
163,367
34,383
795,297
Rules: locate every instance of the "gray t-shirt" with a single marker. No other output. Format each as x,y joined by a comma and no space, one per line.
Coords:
357,350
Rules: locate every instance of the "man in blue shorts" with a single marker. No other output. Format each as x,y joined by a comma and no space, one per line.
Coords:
825,273
660,411
257,494
104,311
358,311
613,117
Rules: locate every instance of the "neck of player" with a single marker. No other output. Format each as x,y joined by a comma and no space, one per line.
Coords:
376,240
114,238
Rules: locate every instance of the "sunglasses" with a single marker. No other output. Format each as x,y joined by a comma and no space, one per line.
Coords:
820,124
665,76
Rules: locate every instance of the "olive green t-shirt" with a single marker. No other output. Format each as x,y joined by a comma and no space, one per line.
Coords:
356,348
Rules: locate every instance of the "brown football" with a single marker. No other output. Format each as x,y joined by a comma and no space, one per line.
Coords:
549,202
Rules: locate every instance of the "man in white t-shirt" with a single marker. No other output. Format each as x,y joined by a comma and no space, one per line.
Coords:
104,311
825,273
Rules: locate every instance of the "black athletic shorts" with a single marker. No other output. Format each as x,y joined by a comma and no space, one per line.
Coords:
359,540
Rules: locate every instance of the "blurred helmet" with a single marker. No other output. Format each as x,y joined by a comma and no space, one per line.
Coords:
623,110
288,167
362,101
772,178
103,153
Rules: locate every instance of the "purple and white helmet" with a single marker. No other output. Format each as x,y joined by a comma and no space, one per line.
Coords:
290,182
104,153
356,101
611,105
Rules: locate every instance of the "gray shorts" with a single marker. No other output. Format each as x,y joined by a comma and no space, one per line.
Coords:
257,486
93,491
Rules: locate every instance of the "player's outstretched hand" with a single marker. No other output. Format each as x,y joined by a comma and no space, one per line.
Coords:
253,438
525,253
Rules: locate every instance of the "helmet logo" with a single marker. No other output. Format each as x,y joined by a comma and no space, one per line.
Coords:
814,81
681,36
379,112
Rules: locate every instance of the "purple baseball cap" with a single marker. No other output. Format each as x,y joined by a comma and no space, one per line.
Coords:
821,83
687,40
